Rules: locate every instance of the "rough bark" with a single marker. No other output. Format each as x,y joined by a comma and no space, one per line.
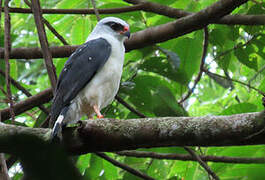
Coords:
238,19
117,135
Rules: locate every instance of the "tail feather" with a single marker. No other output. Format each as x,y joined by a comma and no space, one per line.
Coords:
57,128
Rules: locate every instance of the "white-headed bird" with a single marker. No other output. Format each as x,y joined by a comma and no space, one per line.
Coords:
90,78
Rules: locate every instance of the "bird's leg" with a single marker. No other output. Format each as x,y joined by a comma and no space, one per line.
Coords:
97,111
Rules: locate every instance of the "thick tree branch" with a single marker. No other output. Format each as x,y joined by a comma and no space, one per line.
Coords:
183,25
33,101
117,135
178,13
188,157
154,8
148,36
36,53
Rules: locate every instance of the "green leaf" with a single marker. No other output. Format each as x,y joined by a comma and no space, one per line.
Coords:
243,57
158,169
217,37
224,61
259,42
257,9
59,64
13,69
262,85
64,4
161,66
143,94
172,57
239,108
225,83
110,171
80,30
40,120
17,176
83,162
95,169
165,104
129,176
189,50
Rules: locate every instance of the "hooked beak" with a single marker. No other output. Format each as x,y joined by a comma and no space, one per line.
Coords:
126,32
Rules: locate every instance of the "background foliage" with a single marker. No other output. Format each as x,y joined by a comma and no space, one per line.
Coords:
154,80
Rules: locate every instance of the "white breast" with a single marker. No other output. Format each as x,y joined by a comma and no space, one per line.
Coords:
102,89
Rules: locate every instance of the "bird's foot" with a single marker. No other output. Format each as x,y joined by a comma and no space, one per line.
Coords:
100,116
97,111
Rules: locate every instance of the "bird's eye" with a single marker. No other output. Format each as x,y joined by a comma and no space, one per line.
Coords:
115,26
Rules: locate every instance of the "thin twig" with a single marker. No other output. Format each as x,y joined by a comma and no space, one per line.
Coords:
202,163
188,157
44,43
128,106
22,89
198,78
53,30
49,26
7,51
238,46
4,171
3,91
124,166
95,9
234,80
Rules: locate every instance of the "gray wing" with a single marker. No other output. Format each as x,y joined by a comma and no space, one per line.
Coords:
80,68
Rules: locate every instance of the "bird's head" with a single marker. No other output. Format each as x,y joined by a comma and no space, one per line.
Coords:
114,26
